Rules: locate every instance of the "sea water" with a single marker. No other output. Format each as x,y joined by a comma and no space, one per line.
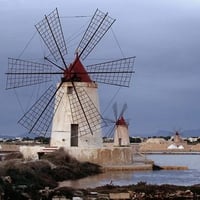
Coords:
176,177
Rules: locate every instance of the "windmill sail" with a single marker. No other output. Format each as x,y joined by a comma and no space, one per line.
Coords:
99,25
51,32
124,108
23,73
38,118
117,72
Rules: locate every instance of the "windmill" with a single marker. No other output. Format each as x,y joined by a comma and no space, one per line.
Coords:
72,107
119,129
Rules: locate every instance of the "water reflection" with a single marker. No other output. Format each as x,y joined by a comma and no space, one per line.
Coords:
177,177
114,177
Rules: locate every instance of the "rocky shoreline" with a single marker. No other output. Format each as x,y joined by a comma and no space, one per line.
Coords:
22,179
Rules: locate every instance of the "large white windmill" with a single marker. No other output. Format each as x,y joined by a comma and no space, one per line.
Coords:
72,105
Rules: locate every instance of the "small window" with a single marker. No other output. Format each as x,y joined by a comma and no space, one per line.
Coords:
69,90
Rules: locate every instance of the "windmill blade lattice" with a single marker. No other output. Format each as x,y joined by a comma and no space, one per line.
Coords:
99,25
39,117
117,72
93,118
51,32
23,73
115,111
124,108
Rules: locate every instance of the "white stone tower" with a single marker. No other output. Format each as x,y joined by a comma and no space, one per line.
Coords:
67,130
121,135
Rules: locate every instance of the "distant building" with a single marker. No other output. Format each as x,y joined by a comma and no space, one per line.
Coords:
121,136
177,138
178,142
174,146
156,141
192,139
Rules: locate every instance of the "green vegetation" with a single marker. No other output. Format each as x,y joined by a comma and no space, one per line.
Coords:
135,140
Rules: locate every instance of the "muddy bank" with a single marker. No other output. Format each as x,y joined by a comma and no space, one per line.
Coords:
140,191
148,191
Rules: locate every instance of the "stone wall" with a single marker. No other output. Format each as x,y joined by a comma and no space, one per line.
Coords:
103,156
30,152
9,147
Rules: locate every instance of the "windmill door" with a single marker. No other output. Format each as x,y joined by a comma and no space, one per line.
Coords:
120,142
74,135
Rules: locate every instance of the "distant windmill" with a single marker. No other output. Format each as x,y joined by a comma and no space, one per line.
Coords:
119,128
73,105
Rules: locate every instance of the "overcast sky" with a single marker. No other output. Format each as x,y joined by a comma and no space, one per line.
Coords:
164,35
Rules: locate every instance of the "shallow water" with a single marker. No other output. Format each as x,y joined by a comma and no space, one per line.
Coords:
177,177
192,161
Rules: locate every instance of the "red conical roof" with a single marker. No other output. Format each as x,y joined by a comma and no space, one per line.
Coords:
77,72
121,121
